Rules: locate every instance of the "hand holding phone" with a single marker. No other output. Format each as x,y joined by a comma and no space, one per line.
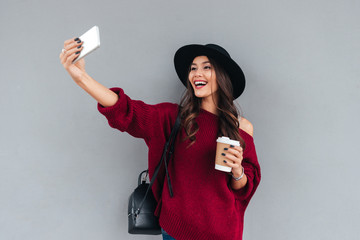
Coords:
91,41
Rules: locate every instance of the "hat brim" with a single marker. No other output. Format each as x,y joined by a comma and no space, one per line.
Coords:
185,55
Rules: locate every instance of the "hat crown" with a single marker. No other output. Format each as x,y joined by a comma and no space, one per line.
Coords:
218,48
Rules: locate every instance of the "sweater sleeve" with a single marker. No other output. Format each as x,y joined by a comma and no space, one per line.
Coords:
135,117
252,171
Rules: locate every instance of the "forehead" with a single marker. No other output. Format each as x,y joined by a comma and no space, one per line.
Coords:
200,60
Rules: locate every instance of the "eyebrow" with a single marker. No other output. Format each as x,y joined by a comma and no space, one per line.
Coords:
202,63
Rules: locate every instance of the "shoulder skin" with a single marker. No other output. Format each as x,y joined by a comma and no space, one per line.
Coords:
246,126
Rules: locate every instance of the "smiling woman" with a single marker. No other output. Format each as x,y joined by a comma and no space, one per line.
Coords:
206,203
202,77
209,87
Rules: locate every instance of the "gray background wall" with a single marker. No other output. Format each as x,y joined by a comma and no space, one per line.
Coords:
65,174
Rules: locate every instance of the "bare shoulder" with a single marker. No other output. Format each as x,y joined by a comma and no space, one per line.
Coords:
246,126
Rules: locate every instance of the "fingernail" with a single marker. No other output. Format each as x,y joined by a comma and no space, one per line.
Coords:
225,149
223,154
76,39
77,52
232,146
79,46
225,161
79,41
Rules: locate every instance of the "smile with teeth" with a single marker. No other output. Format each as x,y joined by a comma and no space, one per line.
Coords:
199,84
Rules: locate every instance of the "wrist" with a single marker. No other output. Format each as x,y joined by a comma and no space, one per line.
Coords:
238,176
81,79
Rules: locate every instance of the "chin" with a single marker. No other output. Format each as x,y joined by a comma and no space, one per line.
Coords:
199,95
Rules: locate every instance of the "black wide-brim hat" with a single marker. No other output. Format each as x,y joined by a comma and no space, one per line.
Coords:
186,54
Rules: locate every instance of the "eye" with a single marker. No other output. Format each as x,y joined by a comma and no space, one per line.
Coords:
207,67
192,68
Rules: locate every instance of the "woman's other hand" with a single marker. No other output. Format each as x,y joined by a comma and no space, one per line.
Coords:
100,93
70,52
234,157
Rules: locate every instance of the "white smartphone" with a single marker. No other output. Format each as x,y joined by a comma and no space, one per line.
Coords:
91,41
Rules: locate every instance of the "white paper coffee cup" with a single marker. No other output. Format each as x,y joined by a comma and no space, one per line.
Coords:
223,142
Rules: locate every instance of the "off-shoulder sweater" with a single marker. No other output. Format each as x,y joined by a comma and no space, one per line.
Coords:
204,205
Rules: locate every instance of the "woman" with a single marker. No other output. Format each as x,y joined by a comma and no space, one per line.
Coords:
206,203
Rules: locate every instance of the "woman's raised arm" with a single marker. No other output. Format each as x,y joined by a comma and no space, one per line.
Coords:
99,92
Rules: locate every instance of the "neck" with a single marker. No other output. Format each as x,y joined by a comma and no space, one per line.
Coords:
208,104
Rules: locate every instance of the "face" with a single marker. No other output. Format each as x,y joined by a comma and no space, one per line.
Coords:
202,77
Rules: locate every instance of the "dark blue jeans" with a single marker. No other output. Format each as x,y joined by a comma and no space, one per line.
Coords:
166,236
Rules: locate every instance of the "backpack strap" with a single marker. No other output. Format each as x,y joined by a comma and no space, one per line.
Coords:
165,157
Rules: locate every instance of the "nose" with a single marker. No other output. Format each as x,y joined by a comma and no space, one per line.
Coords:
198,72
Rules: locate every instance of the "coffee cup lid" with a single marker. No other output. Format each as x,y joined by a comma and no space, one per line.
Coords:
227,140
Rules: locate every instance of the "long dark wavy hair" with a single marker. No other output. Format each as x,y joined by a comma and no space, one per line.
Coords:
228,113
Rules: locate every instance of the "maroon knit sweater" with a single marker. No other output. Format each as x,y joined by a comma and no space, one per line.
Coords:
204,205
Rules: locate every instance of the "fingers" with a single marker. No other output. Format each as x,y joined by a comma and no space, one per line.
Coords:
232,161
72,49
235,150
71,43
69,56
232,164
234,156
72,52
